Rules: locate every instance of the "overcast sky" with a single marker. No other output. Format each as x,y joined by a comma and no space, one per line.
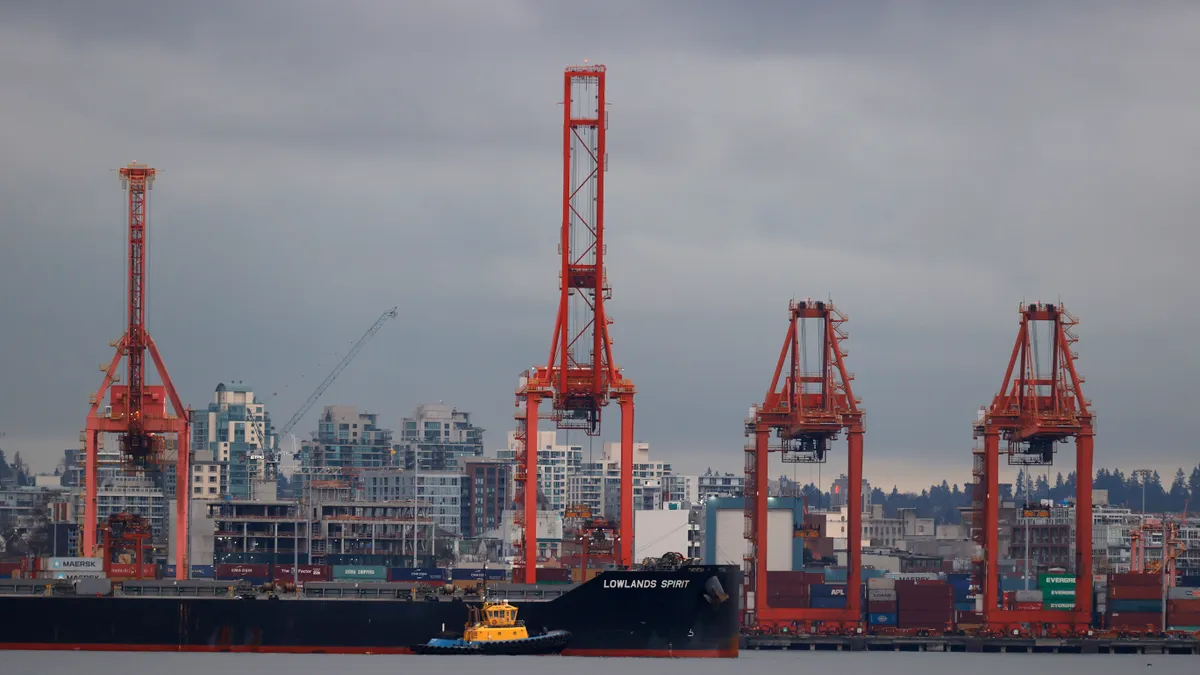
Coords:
928,166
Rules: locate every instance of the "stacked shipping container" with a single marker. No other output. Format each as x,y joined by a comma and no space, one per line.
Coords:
924,604
1134,601
1183,609
881,602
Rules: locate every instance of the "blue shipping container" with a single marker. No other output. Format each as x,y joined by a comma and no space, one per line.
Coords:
1011,584
367,572
417,574
835,574
827,602
827,591
873,574
964,606
490,574
881,619
1134,606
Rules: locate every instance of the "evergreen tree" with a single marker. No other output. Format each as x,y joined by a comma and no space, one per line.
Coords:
1194,481
1179,492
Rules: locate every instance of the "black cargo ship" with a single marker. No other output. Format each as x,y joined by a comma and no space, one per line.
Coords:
691,611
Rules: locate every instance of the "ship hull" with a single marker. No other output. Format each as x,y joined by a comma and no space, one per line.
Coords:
619,613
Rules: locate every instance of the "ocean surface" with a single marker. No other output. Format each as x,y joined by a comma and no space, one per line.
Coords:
750,663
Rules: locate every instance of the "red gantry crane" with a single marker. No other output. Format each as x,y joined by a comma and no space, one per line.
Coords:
814,405
1040,405
138,411
580,376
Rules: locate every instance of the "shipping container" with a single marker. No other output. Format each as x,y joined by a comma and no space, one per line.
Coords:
259,573
74,565
283,573
882,607
870,573
480,574
544,575
427,574
882,594
828,602
1134,579
1028,596
1184,618
1135,606
1134,593
1192,580
363,572
1015,584
827,591
881,619
914,576
1059,606
964,606
789,602
1026,606
120,571
881,584
1135,620
1183,593
836,574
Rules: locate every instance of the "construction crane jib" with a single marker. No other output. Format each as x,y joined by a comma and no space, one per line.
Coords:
580,375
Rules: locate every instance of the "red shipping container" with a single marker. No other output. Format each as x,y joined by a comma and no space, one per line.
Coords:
1135,620
1183,619
1026,606
1134,592
788,603
129,571
1183,605
283,573
229,572
8,568
881,607
1134,579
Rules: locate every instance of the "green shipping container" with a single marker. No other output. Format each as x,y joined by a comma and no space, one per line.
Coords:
1056,581
366,572
1060,605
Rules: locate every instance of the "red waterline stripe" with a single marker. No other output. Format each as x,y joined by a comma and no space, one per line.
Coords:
287,649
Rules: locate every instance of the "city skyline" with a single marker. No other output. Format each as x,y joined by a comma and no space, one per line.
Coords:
910,164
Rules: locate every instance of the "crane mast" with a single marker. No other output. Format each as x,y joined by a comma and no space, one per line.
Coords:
580,376
137,411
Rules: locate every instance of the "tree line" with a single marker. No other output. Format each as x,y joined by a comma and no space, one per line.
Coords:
944,502
16,473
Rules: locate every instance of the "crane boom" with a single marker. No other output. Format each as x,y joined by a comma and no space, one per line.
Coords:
337,370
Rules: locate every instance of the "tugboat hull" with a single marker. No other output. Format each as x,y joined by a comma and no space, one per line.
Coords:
553,642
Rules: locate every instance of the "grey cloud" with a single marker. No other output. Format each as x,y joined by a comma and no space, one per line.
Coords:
927,166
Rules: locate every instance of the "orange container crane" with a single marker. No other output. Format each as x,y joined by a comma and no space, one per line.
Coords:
138,411
580,377
1040,405
810,410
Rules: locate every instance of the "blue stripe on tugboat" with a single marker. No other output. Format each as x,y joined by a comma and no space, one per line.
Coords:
497,633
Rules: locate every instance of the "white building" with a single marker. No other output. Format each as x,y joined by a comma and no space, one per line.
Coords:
556,463
597,484
681,488
439,437
549,534
657,533
712,485
236,429
441,489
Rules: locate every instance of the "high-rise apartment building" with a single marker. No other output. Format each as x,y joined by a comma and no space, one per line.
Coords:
236,429
439,437
348,442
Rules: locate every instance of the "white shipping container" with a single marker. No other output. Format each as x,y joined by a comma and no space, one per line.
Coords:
881,583
1183,593
881,594
75,564
1028,596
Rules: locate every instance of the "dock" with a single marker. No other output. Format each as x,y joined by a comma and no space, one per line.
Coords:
970,644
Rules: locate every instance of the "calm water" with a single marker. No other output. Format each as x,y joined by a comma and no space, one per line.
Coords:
750,663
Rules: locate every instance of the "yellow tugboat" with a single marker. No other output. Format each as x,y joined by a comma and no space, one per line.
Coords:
495,629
